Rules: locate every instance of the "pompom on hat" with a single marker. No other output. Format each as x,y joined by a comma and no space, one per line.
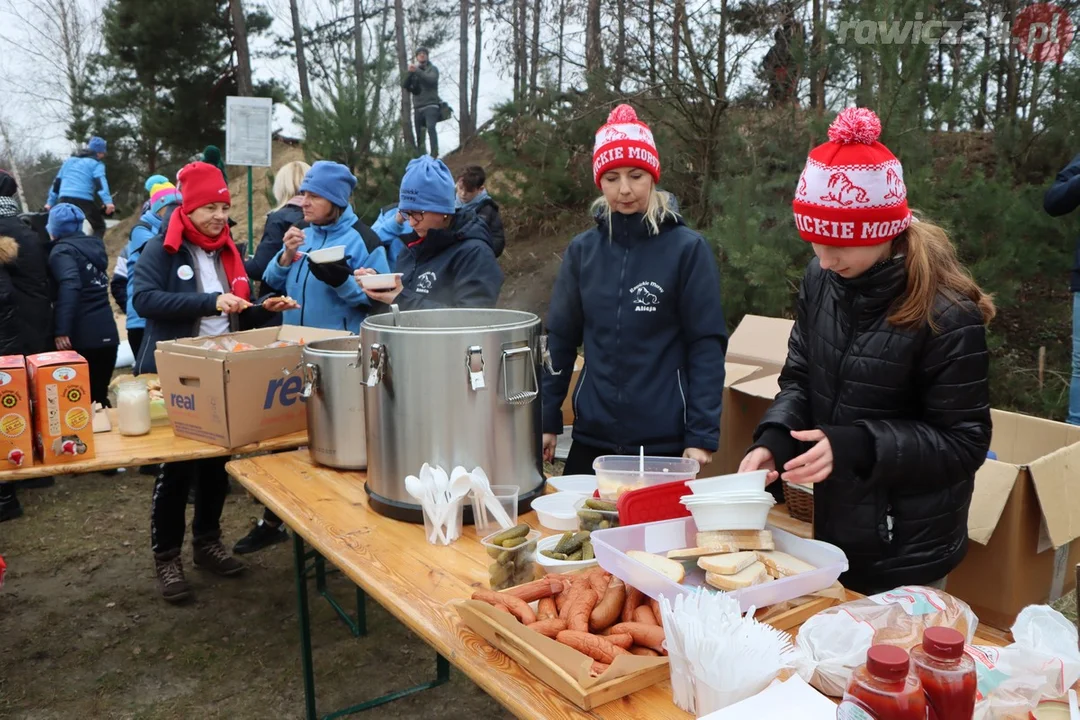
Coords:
851,192
625,141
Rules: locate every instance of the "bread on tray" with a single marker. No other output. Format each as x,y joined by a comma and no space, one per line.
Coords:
747,577
671,569
728,564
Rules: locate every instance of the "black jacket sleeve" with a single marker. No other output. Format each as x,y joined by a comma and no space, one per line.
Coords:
705,332
65,271
489,213
271,243
1064,195
151,296
118,284
949,442
566,329
10,342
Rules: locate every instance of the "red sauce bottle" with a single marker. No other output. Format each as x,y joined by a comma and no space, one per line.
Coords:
883,689
947,674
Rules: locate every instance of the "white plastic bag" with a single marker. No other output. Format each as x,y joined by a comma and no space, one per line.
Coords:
832,646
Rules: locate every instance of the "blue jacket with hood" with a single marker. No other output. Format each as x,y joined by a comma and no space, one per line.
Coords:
147,227
647,309
343,307
78,264
455,267
81,176
391,232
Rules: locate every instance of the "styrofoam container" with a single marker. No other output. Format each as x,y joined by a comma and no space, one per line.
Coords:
559,566
660,537
748,515
747,481
584,484
327,255
556,511
384,281
617,474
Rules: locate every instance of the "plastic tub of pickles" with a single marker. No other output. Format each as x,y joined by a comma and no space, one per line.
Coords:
595,514
514,553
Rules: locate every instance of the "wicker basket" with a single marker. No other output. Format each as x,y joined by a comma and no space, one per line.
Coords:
800,501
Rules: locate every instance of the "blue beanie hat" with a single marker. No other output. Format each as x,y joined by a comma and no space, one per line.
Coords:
429,186
152,181
329,180
64,219
96,144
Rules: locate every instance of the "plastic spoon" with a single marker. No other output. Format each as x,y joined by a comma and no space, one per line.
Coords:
421,489
459,488
481,484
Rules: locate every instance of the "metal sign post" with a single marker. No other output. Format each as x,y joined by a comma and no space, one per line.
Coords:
248,126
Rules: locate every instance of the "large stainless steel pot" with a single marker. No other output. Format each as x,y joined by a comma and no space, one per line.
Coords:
334,389
451,387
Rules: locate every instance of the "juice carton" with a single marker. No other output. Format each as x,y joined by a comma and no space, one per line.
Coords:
63,415
16,429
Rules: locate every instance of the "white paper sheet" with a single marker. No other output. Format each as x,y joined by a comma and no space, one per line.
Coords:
777,701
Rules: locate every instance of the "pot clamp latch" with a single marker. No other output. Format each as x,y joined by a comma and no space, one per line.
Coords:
474,362
376,368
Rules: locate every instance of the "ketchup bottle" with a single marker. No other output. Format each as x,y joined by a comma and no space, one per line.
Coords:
883,689
947,674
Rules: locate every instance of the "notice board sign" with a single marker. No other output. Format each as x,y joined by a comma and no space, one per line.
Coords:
248,126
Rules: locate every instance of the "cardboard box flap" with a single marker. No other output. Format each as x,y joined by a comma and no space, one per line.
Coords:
1022,439
767,387
737,372
760,341
1055,476
993,484
260,338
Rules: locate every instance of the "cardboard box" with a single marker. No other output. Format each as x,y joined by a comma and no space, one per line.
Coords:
16,419
568,403
60,399
235,398
1023,521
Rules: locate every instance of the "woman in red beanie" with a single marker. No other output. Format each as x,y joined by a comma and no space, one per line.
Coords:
884,400
191,282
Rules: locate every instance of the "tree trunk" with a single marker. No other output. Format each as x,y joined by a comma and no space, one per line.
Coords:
984,76
1012,74
377,81
464,126
477,48
403,69
721,56
240,43
535,69
652,46
817,64
359,62
620,46
301,61
522,50
515,8
594,52
562,37
676,29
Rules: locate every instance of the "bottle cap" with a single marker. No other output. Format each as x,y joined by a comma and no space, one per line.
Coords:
887,662
943,643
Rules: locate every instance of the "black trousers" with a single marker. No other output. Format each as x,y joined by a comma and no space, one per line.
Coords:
102,362
427,118
169,503
579,460
92,210
135,336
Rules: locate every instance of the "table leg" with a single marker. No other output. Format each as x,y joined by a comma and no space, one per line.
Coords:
302,611
357,627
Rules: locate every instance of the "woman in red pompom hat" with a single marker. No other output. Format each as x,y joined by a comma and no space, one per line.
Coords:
884,402
641,293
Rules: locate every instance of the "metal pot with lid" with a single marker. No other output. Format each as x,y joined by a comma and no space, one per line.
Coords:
334,391
451,387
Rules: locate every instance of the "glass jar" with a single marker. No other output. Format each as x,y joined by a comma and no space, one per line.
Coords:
133,407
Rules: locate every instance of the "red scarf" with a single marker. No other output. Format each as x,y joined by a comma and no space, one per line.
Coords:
231,261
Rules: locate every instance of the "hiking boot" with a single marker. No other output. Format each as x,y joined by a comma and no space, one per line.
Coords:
209,554
10,507
263,535
170,575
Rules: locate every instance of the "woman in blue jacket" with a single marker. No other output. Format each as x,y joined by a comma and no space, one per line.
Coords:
641,292
327,296
83,319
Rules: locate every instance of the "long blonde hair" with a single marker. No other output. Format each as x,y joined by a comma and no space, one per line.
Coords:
932,268
661,206
287,181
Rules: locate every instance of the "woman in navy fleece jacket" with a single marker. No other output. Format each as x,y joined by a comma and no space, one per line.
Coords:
641,291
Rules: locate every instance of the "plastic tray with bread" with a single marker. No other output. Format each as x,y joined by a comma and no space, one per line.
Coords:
616,547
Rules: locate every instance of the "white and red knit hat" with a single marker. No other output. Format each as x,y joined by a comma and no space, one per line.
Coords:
851,192
624,141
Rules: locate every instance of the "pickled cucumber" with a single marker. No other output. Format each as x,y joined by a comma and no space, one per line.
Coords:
594,504
514,532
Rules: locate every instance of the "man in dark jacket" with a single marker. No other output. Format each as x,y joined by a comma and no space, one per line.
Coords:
1064,197
81,181
423,82
472,195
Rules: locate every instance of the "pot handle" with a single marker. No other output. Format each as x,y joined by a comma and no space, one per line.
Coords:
522,397
311,379
377,364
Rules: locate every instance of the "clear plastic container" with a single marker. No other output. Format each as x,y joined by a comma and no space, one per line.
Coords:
947,674
511,566
883,688
617,474
610,547
133,407
593,519
507,496
450,527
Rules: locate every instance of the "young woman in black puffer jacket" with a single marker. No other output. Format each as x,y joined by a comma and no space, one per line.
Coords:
884,401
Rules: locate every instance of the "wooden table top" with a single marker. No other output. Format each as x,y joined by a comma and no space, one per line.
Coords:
416,581
113,450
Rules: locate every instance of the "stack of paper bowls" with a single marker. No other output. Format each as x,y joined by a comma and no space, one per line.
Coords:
730,502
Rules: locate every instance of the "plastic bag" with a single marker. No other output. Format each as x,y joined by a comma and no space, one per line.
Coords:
834,642
210,345
1042,663
233,345
282,343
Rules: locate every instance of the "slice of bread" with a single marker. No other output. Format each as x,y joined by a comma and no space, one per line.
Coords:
729,564
780,564
747,577
693,553
742,539
670,569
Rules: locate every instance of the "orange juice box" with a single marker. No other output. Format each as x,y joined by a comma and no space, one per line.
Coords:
16,430
63,415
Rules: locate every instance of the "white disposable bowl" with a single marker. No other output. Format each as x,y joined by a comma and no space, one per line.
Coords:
327,255
556,511
385,281
584,484
747,481
754,496
731,516
559,566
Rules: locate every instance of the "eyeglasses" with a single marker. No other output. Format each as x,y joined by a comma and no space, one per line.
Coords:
416,216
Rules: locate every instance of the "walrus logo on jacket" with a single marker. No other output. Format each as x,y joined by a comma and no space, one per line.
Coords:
425,282
646,296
